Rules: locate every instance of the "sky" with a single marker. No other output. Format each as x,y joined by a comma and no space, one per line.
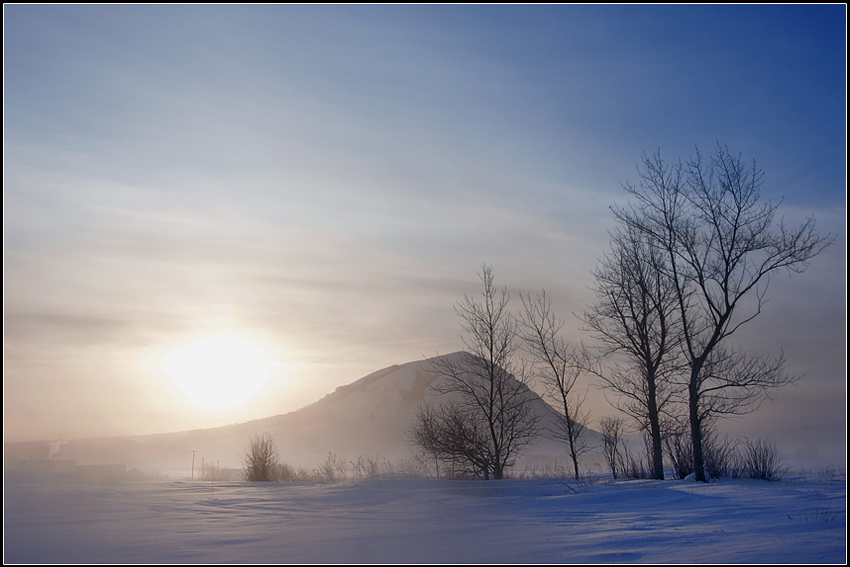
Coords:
320,185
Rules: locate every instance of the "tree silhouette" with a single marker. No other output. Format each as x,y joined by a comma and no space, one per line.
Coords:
720,243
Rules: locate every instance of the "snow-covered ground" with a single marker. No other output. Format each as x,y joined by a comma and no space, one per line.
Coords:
797,520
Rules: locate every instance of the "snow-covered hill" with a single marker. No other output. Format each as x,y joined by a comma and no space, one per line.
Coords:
369,417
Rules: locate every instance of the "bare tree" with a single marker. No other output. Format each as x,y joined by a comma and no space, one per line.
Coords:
558,365
612,430
490,420
454,438
721,244
635,315
260,460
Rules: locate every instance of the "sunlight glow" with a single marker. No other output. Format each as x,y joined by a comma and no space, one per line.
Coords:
218,372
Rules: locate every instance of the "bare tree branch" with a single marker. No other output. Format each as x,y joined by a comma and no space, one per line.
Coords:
635,315
720,244
557,365
491,419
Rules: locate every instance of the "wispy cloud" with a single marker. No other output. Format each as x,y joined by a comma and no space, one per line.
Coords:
329,179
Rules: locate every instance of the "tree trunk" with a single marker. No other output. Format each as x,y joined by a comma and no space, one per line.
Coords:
696,430
655,430
574,456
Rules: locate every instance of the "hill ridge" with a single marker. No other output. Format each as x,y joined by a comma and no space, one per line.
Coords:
368,417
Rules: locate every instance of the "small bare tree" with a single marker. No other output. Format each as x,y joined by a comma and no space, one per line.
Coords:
557,365
260,460
454,439
491,419
612,430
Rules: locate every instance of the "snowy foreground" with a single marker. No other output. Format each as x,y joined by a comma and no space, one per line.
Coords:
799,520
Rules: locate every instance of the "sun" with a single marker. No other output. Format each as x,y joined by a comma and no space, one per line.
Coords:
218,372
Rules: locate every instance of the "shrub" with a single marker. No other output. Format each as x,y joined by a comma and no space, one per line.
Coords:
214,472
634,467
760,460
678,447
332,470
287,473
366,468
721,456
260,461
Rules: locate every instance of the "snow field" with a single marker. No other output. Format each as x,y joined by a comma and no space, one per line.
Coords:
800,520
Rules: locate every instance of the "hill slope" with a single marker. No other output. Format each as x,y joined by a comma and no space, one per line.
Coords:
369,417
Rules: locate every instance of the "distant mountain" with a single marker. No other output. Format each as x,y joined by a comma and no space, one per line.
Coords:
369,417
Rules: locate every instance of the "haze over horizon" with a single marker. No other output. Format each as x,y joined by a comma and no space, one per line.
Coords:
315,187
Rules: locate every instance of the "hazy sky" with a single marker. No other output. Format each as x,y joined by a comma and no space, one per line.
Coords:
324,182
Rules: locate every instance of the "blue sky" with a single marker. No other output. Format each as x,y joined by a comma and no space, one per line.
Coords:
326,181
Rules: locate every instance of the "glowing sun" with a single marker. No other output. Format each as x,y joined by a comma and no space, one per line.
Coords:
218,372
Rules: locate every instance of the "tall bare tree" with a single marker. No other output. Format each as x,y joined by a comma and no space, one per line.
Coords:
721,243
635,315
491,419
557,366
